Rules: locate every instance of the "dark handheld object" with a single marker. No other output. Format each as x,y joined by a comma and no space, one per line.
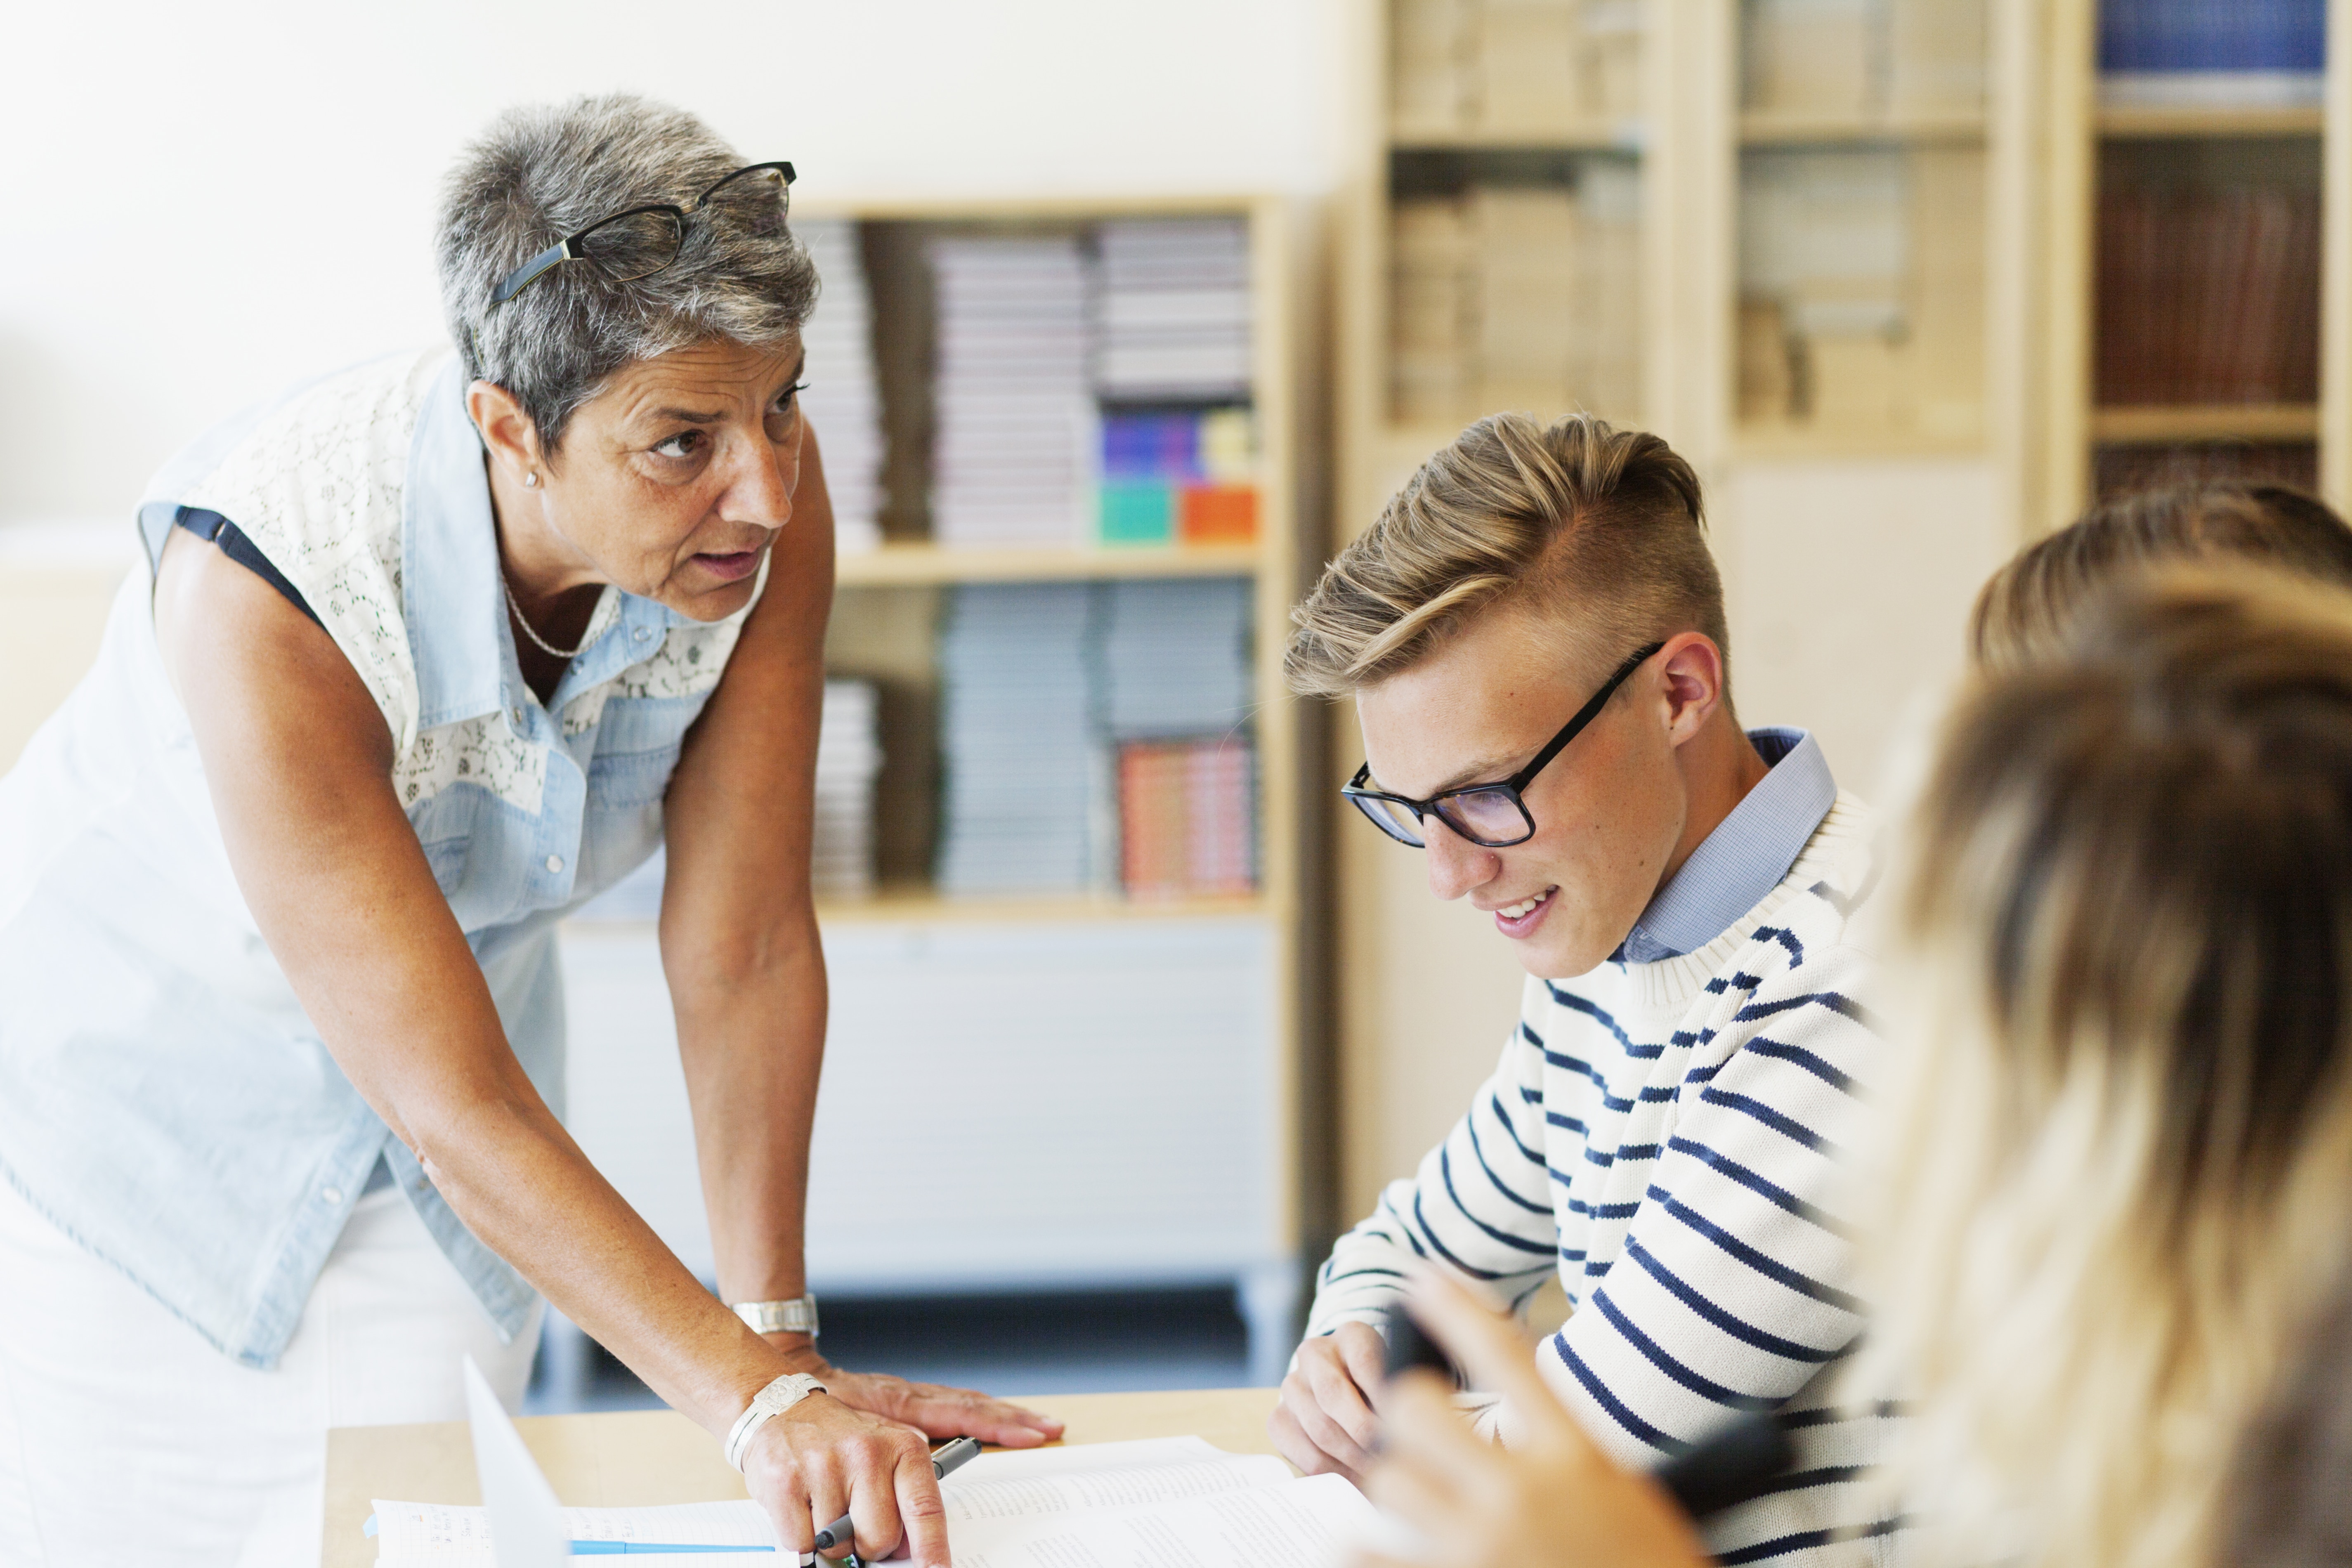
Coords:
1736,1464
1739,1463
946,1457
1410,1348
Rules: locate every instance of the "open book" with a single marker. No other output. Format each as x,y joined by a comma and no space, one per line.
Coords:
1171,1502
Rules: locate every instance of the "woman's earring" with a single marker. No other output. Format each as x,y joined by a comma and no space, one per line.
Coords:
531,479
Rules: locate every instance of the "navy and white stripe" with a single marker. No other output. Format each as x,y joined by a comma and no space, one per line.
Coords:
1667,1138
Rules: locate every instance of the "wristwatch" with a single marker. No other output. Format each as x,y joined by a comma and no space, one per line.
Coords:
773,1400
797,1316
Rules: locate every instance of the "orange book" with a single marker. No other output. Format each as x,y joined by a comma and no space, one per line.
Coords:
1217,514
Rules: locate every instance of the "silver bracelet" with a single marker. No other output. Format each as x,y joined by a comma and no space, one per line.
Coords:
773,1400
797,1316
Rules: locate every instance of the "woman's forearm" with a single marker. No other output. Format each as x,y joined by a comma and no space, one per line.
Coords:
751,1039
515,1177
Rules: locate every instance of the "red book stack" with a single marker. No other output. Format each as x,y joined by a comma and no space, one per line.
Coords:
1186,822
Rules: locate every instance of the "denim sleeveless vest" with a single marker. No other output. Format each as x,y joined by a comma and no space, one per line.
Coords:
164,1099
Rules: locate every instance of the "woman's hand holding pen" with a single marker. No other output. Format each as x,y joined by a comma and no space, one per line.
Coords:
821,1460
1552,1500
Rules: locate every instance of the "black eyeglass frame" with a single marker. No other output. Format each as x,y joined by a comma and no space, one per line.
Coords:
568,249
1508,789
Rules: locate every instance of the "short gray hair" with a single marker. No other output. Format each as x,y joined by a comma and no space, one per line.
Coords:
543,171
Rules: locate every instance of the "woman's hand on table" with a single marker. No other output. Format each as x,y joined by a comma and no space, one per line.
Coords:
1552,1500
932,1408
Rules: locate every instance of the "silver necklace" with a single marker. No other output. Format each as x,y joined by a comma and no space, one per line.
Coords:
521,620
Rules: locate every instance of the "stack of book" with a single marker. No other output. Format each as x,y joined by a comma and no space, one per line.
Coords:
2200,52
848,756
1862,288
1175,311
1026,797
1084,724
1014,447
1520,296
1179,475
1862,58
841,401
1187,828
1176,658
2208,295
1176,666
1514,67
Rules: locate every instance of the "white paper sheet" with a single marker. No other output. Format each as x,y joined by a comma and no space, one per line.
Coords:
1302,1525
438,1530
1164,1502
1079,1491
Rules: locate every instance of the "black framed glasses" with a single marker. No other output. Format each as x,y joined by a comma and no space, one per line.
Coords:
642,241
1491,815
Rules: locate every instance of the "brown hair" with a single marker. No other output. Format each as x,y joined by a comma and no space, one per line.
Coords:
2025,609
1577,518
2114,1176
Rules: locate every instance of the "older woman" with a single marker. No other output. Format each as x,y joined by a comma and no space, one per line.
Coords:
431,651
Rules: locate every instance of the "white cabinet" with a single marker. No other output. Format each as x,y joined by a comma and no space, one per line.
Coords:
1005,1107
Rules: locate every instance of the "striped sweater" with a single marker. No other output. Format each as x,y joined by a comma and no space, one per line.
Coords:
1667,1136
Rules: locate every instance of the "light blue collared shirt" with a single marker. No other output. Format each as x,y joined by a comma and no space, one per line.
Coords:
1748,852
164,1099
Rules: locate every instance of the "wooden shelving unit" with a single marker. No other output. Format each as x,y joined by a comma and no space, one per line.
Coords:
2084,147
909,565
1790,128
1906,504
938,998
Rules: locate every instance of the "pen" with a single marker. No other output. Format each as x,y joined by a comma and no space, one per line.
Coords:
944,1460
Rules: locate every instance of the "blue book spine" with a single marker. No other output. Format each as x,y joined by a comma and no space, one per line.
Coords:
2214,36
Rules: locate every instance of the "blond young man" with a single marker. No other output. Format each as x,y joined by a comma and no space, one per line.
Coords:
1534,635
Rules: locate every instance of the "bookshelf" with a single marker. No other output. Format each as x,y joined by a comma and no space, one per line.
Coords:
1124,1083
1890,129
2197,286
1860,228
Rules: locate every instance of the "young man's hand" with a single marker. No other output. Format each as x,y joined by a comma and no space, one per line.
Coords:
1325,1423
1552,1500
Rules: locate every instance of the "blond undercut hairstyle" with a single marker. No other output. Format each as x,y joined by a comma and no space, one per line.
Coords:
1599,531
2113,1181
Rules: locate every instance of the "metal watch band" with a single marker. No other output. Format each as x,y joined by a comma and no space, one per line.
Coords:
797,1316
773,1400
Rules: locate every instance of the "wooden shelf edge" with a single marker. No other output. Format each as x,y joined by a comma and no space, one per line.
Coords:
916,565
1070,208
2148,424
1770,129
2143,120
907,905
1595,136
1754,443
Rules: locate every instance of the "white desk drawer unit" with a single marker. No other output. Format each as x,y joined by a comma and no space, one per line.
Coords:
1005,1107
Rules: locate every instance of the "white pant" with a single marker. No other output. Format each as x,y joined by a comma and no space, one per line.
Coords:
126,1440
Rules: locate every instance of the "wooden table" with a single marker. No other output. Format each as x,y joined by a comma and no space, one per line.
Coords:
638,1457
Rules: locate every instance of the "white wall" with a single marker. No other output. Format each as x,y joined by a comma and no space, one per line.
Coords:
200,204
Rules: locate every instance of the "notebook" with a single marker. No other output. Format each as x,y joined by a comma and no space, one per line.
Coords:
1167,1502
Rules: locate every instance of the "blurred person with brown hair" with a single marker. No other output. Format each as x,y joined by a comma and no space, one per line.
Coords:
2025,609
2111,1183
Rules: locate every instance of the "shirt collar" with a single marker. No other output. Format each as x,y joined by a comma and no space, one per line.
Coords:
452,594
1745,855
